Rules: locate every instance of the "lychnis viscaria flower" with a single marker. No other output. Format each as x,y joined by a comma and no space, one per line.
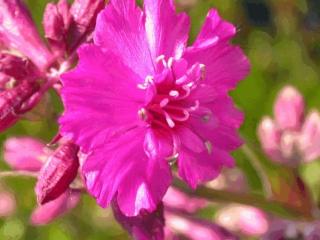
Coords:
140,100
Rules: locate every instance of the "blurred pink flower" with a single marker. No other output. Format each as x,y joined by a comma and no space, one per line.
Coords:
46,213
285,229
243,219
151,101
25,153
7,203
291,138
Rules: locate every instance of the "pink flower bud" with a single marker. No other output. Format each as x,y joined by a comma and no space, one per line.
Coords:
25,153
16,67
58,172
18,31
84,13
179,200
289,109
309,141
56,21
244,219
48,212
270,138
145,226
12,100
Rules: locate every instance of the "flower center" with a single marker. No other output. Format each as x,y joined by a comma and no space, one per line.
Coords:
170,99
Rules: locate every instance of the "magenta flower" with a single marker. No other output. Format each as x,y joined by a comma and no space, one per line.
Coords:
140,100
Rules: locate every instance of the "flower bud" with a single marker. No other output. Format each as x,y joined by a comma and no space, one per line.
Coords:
56,21
58,172
309,141
48,212
12,100
289,109
18,31
84,13
24,153
16,67
145,226
270,138
243,219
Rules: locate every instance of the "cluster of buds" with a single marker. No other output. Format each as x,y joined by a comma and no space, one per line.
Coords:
29,66
292,137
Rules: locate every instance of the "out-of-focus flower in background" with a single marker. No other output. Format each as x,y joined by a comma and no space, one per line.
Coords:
293,137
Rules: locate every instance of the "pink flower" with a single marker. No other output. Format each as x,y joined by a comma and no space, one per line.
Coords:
25,153
140,100
292,137
7,203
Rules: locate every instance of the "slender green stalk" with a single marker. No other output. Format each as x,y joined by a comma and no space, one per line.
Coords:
250,199
254,160
4,174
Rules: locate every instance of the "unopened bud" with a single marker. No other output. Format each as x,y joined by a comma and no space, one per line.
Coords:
56,21
44,214
84,13
59,171
18,31
310,137
25,153
289,109
17,67
12,100
144,226
270,138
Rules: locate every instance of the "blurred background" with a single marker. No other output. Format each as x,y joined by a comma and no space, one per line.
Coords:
282,40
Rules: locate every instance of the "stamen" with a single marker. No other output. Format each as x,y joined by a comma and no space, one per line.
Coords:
174,93
169,120
147,81
164,102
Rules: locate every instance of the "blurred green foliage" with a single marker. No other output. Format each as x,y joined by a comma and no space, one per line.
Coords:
282,40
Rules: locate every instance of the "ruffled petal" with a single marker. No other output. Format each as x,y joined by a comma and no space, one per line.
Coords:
196,168
214,29
120,29
167,31
101,98
122,167
225,65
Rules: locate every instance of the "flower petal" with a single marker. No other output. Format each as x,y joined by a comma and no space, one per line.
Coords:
167,31
214,29
225,64
122,167
100,93
120,29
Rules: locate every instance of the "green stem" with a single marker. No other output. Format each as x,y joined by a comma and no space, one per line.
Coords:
4,174
250,199
254,160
